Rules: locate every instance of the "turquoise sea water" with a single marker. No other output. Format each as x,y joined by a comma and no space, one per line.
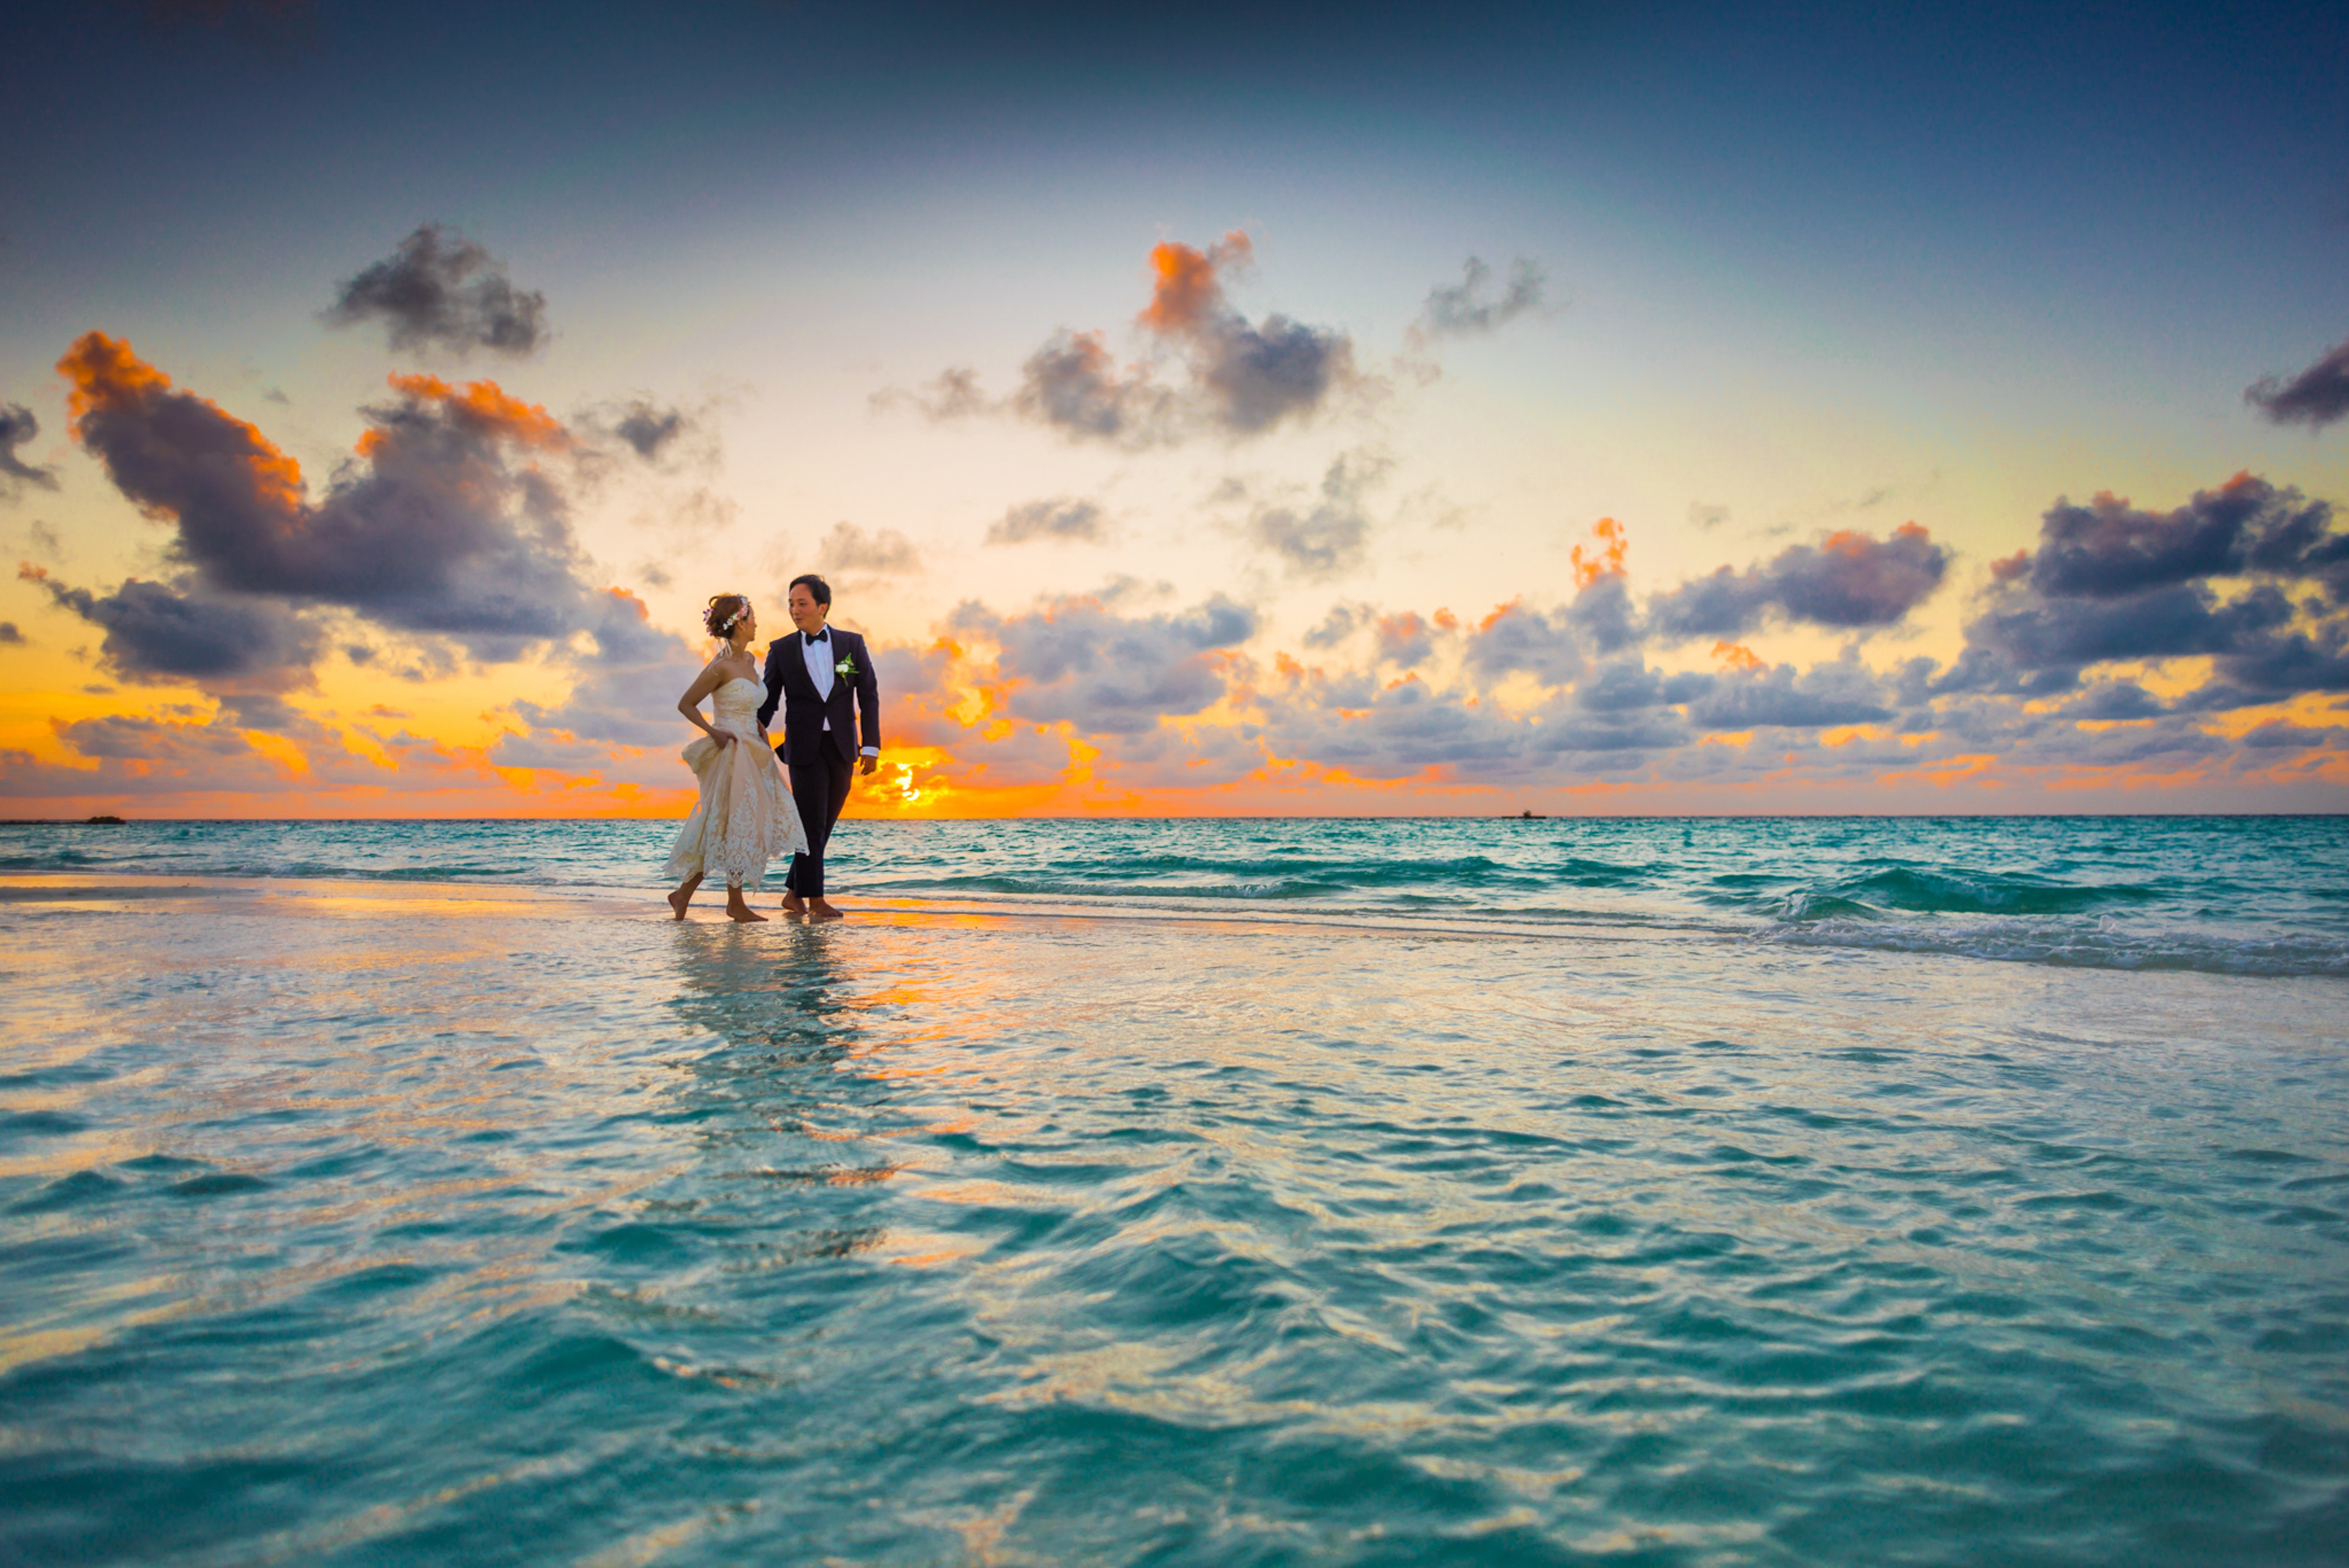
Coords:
2230,895
1824,1192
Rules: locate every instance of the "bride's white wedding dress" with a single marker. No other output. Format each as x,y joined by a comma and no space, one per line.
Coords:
745,816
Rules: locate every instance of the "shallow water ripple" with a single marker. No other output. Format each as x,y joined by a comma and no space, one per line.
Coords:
388,1231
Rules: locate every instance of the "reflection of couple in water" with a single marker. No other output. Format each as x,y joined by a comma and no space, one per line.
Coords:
822,679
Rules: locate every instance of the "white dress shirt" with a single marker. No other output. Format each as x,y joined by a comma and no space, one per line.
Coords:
820,657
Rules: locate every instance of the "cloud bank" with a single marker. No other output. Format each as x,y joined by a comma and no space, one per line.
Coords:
2125,643
450,534
2212,579
1082,694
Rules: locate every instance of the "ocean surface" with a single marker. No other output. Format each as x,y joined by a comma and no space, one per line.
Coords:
1683,1191
2226,895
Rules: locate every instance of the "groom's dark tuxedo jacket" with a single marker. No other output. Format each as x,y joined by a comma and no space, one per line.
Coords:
855,705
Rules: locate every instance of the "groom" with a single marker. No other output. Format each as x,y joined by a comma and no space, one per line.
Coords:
813,675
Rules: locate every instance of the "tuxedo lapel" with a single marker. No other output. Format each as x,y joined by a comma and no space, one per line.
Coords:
795,670
843,649
794,690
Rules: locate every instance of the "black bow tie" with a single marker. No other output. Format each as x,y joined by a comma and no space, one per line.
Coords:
815,637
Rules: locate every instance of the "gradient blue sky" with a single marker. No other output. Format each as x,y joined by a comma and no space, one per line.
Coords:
1822,268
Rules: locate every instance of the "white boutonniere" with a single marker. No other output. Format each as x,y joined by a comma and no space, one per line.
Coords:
846,667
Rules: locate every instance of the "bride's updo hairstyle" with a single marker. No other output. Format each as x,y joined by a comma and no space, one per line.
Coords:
724,612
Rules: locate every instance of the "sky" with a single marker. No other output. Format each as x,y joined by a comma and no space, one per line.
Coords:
1659,408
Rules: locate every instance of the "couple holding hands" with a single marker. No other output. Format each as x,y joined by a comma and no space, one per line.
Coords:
822,680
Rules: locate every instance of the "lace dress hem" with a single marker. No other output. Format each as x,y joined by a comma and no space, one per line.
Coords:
745,816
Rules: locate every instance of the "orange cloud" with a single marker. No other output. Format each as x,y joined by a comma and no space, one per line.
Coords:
487,407
1399,631
1738,656
1186,290
1605,563
108,379
1856,546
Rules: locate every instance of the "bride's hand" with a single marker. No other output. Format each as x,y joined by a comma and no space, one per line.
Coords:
723,737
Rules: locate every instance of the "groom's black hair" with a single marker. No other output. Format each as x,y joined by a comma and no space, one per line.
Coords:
815,585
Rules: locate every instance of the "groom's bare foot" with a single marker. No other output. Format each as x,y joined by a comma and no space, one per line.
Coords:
820,910
794,905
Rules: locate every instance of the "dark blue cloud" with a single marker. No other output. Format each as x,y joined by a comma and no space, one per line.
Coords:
1542,644
2165,623
2115,701
1626,685
2109,549
2315,397
1601,614
649,429
2282,734
2110,583
440,290
2283,664
17,427
1849,581
184,631
1826,696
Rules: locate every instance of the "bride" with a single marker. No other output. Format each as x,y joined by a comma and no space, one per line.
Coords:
745,816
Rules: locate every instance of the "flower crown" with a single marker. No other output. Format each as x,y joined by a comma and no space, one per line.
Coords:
721,628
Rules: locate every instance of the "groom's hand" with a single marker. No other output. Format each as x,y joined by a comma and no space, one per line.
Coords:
870,764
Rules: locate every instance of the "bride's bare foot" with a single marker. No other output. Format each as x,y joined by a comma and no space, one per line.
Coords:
794,905
735,910
820,910
683,895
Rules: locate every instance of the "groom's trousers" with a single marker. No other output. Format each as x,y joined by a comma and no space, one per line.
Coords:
819,789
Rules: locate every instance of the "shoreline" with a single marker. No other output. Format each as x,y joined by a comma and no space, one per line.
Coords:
2218,896
90,888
